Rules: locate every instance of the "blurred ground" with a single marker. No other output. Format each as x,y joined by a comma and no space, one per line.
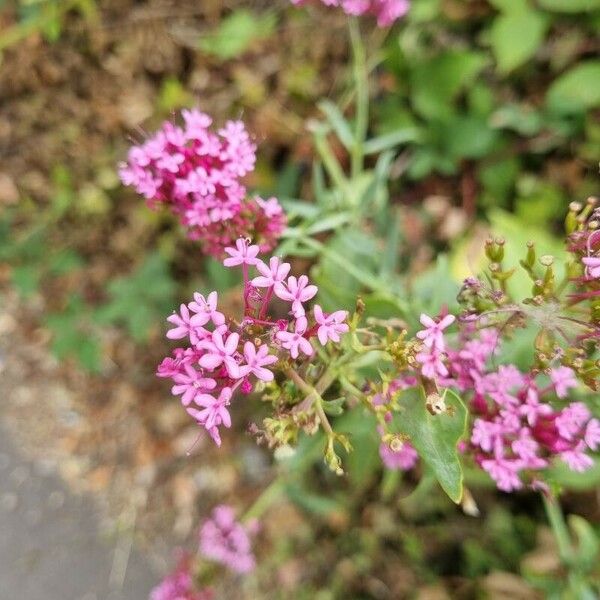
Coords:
50,544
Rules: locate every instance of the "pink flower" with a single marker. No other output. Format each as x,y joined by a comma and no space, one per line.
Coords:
592,434
190,384
592,266
577,459
226,541
571,419
184,327
295,342
242,254
274,273
387,12
433,334
563,378
256,361
504,473
214,412
206,309
179,585
330,326
220,351
432,365
296,291
403,459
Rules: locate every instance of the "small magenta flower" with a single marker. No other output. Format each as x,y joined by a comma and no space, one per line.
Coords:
432,365
592,266
296,291
226,541
206,309
330,326
295,342
433,334
563,379
214,412
242,254
571,420
256,360
592,434
220,351
190,383
403,459
577,459
271,274
183,325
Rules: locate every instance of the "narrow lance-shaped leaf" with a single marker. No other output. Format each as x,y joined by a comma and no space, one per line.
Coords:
435,437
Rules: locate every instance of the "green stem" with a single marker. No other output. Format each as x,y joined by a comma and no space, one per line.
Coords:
266,498
361,81
576,578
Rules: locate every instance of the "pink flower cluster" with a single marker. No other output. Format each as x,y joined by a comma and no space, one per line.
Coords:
224,355
516,432
197,172
226,541
386,11
179,585
433,354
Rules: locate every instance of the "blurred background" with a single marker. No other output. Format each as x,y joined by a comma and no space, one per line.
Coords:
504,97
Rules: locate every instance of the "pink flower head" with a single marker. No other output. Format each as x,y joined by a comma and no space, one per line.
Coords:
433,334
242,254
296,342
275,272
432,365
330,326
387,12
592,434
256,360
563,379
403,459
592,266
190,383
184,326
226,541
296,291
214,411
571,420
206,309
179,585
220,351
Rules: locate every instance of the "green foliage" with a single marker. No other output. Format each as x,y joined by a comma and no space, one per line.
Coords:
73,336
237,33
577,89
436,437
141,300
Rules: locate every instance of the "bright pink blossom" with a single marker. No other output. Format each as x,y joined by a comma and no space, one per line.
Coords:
296,291
330,326
433,334
296,342
275,272
563,379
242,254
221,351
256,360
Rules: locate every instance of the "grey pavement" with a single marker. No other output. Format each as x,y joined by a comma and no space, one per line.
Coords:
50,548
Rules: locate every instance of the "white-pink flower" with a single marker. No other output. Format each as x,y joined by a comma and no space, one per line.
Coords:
242,254
592,434
563,379
330,326
206,309
220,351
275,272
184,326
190,383
256,360
296,291
592,266
214,410
295,342
433,334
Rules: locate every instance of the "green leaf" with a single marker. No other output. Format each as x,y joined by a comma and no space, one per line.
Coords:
468,136
141,300
391,140
437,81
436,437
577,89
26,279
570,6
588,546
237,32
338,122
516,36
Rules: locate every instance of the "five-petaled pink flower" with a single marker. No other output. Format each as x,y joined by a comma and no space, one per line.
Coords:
183,325
330,326
190,383
206,309
256,360
433,334
294,342
214,410
563,379
275,272
220,351
592,266
242,254
296,291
